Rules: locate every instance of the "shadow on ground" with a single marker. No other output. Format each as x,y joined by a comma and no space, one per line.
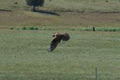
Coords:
48,12
5,10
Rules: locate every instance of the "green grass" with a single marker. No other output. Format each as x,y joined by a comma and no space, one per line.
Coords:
84,5
25,37
24,56
67,5
73,13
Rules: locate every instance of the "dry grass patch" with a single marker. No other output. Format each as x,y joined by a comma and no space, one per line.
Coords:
27,18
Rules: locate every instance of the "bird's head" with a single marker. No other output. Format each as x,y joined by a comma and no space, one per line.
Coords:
55,34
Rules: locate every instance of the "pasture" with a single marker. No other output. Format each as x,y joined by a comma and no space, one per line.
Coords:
67,5
25,37
24,56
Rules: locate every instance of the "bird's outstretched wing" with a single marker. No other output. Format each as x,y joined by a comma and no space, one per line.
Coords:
58,37
54,43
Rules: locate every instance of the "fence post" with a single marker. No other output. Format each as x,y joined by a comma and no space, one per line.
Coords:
96,73
93,28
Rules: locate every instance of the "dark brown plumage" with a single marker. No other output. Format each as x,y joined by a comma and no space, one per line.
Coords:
58,37
66,37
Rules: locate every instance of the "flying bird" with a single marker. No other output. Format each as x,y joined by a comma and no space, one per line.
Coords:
57,39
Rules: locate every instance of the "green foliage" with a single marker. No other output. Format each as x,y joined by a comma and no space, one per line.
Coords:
35,3
110,29
30,28
33,28
11,28
101,29
24,28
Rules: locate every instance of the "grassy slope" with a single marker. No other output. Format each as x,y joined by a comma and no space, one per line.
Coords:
27,18
69,5
85,5
72,19
23,55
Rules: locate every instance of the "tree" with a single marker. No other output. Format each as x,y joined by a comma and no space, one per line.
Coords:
35,3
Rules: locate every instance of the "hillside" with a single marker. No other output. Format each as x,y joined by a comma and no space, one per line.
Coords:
63,13
68,5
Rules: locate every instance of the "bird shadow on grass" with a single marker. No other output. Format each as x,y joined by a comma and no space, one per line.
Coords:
47,12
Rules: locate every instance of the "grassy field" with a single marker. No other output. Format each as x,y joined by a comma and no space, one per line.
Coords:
68,5
26,35
24,56
63,13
